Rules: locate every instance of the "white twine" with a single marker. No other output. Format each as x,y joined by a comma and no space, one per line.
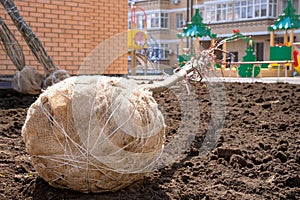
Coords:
112,159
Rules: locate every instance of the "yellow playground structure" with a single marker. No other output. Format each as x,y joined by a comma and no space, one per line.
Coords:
284,58
143,50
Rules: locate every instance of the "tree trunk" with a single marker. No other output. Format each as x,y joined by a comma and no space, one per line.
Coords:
200,66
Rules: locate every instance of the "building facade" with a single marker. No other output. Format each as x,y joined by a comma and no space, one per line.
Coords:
251,17
81,36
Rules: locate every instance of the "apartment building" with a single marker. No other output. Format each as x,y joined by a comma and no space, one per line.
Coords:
165,18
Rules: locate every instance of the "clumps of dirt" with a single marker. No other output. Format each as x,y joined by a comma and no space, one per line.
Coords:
256,155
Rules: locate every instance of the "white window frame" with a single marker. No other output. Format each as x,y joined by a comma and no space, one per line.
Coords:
155,20
164,20
218,12
210,11
239,10
179,21
273,8
164,53
255,9
140,21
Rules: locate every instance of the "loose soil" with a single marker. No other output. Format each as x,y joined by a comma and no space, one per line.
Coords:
256,156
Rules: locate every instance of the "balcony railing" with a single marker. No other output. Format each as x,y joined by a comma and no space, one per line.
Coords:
152,2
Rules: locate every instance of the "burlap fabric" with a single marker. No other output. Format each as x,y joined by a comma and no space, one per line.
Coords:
55,77
94,133
28,81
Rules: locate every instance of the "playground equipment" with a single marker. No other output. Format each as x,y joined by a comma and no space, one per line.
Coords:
195,29
287,21
246,69
142,47
296,58
284,58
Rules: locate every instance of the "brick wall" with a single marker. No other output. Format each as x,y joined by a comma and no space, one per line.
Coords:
81,36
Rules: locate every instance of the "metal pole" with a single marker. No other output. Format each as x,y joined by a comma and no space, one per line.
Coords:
133,63
187,19
192,11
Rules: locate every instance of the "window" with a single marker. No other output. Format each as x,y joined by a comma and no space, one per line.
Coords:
263,8
164,20
244,9
218,12
250,9
179,20
221,12
154,20
164,53
273,8
210,11
255,9
295,4
259,51
140,24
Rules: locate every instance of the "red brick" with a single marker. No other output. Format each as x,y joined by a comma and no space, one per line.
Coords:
51,6
58,2
69,30
71,3
45,20
65,8
59,11
65,26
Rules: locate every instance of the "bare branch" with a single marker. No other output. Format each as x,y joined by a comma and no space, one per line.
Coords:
11,46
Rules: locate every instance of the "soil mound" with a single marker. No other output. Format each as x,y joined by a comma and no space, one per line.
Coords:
256,155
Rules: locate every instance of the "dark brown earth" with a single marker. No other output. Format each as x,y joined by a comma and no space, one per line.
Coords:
256,156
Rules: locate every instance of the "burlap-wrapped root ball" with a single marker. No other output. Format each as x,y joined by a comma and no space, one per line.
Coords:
28,81
94,133
55,77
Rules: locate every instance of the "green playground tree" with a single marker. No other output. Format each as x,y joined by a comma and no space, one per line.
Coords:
289,19
246,70
194,29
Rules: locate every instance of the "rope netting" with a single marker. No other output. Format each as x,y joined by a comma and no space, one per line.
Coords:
94,133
